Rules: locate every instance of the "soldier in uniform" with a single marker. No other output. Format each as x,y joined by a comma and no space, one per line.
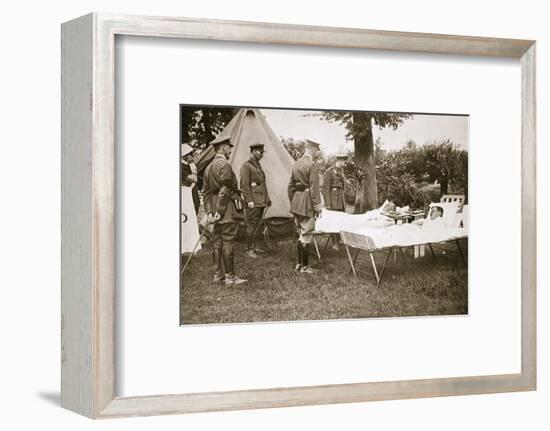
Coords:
333,192
223,204
254,191
333,185
305,202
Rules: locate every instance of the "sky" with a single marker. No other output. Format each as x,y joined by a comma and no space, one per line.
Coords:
287,123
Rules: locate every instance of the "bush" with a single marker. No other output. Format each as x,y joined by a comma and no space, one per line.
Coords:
402,190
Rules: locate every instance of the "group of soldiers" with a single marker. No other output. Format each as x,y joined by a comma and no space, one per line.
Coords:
228,202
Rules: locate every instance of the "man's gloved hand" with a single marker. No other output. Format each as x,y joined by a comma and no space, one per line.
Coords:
251,205
269,202
213,217
318,214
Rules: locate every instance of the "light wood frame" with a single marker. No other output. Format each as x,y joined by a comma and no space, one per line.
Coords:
88,214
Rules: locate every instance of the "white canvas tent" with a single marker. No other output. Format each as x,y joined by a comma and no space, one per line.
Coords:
249,126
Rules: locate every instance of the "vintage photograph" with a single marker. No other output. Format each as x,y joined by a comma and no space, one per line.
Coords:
308,214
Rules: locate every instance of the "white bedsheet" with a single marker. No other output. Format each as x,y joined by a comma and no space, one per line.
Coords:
382,230
335,221
409,234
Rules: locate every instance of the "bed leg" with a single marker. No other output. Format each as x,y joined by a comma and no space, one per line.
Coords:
385,263
351,261
460,252
316,249
329,238
357,251
431,250
374,267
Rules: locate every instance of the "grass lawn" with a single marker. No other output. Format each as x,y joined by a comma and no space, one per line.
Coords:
274,292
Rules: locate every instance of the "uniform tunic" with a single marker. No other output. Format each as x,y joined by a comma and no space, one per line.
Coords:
304,196
253,185
303,188
333,188
254,190
220,191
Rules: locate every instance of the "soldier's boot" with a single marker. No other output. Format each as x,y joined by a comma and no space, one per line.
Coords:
219,276
250,252
257,250
305,260
230,278
298,265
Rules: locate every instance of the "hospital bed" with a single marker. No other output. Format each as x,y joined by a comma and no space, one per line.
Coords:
375,234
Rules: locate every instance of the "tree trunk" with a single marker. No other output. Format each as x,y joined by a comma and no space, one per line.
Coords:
444,186
364,156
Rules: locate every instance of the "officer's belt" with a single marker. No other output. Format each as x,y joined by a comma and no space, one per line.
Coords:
301,187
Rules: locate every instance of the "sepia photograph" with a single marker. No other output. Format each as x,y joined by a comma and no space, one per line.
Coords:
308,214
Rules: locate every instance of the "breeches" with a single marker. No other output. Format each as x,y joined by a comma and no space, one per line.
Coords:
224,235
253,218
305,227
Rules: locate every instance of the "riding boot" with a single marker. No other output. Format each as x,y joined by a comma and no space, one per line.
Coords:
298,265
250,252
228,261
305,254
257,250
219,274
305,260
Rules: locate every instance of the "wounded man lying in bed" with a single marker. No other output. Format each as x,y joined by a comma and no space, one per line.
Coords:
434,221
441,224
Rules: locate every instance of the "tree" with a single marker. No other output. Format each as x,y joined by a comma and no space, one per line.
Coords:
447,164
359,126
200,124
397,179
295,148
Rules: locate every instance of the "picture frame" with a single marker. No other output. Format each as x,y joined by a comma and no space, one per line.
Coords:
88,372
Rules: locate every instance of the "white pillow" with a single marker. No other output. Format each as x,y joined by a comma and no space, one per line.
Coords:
449,212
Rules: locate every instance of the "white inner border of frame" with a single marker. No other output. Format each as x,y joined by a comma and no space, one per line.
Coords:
156,356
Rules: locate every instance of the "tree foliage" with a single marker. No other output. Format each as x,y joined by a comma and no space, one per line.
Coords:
359,126
295,147
405,176
200,124
444,162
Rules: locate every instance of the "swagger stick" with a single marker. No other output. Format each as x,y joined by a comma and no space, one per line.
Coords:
195,248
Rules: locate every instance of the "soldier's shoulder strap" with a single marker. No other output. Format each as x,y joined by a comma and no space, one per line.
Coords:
248,163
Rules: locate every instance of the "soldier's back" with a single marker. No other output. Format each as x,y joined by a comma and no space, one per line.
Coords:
301,169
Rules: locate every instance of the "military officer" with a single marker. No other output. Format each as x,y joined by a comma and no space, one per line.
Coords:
333,185
225,209
334,181
255,195
305,202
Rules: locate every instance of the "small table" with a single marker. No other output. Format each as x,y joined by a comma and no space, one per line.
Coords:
406,217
